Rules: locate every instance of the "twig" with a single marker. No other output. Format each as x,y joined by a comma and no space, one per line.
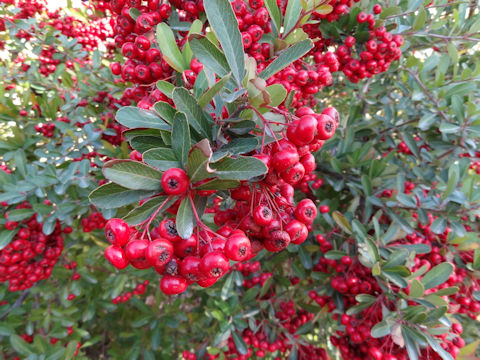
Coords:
16,304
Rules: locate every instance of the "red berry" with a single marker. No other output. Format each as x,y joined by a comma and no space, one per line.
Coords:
175,181
173,285
214,264
117,232
116,256
159,252
238,247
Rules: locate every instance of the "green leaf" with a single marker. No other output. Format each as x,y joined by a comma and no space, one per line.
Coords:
241,168
6,236
168,47
438,275
20,345
448,128
236,146
438,226
420,19
292,14
20,214
224,24
111,196
144,211
400,221
410,345
437,348
217,184
239,343
411,143
275,14
134,117
210,93
161,158
184,219
416,289
181,141
198,162
305,328
305,258
145,143
165,87
266,286
210,56
165,111
342,221
133,175
287,57
453,177
381,329
196,117
393,10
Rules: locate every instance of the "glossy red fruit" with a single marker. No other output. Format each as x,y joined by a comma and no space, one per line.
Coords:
186,247
238,247
214,264
168,230
190,268
262,215
324,209
207,282
333,113
306,129
308,162
277,241
297,231
306,211
173,285
284,159
116,256
325,128
136,253
294,174
159,252
117,232
175,181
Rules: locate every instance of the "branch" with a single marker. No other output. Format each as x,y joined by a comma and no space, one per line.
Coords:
16,304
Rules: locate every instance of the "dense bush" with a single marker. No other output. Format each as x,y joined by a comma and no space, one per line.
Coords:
312,194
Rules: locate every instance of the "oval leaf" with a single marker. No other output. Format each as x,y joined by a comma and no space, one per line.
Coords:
133,175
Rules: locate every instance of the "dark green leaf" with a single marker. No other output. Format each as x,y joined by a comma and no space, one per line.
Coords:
239,343
185,220
161,158
196,117
236,147
165,110
438,275
20,345
224,24
198,162
20,214
181,142
6,236
214,90
144,211
241,168
111,196
288,56
134,117
381,329
275,14
133,175
210,56
168,47
217,184
292,14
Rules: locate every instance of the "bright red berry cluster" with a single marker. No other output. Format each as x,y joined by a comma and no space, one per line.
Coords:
31,255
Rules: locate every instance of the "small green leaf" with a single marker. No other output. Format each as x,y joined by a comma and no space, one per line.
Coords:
416,289
210,93
6,236
184,219
168,47
239,343
133,175
166,88
381,329
20,214
181,142
275,14
420,19
240,168
287,57
217,184
224,24
198,162
438,275
196,117
144,211
292,14
134,117
236,146
20,345
161,158
210,56
111,196
342,221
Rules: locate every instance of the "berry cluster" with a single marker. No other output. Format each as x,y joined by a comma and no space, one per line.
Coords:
93,221
139,290
31,255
